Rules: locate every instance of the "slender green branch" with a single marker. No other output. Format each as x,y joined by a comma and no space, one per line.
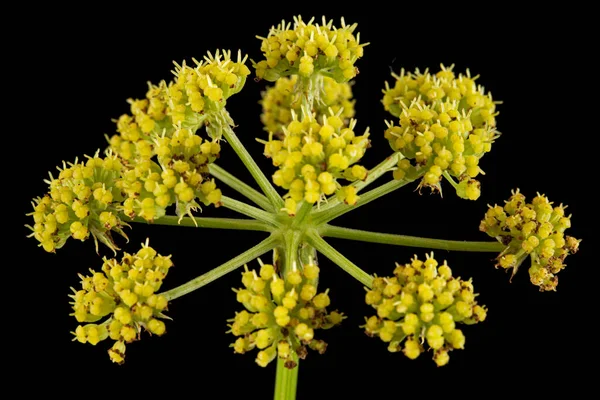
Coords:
307,92
236,262
341,209
201,222
374,174
325,248
249,210
249,162
450,179
241,187
302,213
410,241
286,379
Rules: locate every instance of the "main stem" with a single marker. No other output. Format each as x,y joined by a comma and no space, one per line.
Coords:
410,241
255,171
286,379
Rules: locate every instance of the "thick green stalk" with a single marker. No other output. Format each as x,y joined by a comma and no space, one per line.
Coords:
255,171
201,222
241,187
325,216
338,258
410,241
286,379
236,262
249,210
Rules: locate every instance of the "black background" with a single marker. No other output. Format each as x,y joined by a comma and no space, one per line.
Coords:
82,65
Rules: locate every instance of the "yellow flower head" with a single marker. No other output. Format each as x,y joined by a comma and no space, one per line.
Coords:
422,305
82,200
181,176
148,117
533,229
308,49
120,300
313,155
279,101
282,314
198,94
446,124
166,125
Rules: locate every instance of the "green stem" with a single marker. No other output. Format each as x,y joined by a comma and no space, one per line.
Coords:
310,90
286,379
322,217
374,174
450,179
410,241
338,258
307,254
236,262
249,210
302,213
241,187
255,171
292,243
217,223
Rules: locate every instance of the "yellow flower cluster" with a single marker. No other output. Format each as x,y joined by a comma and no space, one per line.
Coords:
83,200
312,156
135,131
282,315
165,125
446,124
308,49
201,92
125,292
535,229
195,97
181,177
279,101
421,303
